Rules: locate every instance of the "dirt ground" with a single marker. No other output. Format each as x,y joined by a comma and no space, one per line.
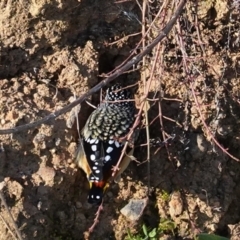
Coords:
53,50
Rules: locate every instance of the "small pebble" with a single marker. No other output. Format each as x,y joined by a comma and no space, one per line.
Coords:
134,209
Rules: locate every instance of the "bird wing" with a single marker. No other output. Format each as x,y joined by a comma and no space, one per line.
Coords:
101,157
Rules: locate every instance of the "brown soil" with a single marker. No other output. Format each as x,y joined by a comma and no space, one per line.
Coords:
53,50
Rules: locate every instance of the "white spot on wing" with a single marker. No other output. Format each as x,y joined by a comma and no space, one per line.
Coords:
97,171
109,149
117,144
93,140
97,197
92,157
107,158
94,147
111,142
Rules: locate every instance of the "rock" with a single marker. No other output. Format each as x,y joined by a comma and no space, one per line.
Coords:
134,209
175,204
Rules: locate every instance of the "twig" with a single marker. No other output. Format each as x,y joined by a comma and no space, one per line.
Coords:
197,28
144,6
100,208
11,217
8,227
123,38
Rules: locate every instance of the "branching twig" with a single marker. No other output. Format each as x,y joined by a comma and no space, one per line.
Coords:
104,82
178,11
187,71
207,128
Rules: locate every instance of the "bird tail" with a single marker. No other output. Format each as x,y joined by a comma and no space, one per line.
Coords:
95,194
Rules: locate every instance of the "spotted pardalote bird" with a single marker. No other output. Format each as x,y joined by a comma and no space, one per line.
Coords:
100,144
